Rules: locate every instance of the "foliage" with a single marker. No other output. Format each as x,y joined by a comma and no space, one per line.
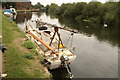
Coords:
54,9
39,6
87,20
35,52
28,44
111,14
96,12
28,56
47,8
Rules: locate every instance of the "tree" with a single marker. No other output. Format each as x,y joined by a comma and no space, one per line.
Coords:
94,12
39,6
47,8
62,9
111,14
54,9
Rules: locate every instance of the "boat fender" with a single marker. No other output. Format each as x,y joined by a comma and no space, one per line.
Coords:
61,45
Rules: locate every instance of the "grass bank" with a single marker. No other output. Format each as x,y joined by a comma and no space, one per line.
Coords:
15,64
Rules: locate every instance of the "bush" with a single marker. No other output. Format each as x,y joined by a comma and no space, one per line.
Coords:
28,56
35,52
28,44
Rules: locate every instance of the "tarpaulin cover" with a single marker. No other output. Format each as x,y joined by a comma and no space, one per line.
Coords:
8,10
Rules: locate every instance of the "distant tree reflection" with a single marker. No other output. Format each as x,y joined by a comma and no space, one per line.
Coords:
22,15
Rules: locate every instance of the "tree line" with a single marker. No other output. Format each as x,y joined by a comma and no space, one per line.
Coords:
92,12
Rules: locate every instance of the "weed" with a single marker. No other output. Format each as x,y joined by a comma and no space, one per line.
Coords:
28,56
35,52
29,44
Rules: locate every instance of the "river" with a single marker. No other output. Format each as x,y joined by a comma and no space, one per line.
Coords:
95,46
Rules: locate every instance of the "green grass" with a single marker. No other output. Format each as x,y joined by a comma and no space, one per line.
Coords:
29,44
28,56
14,63
0,22
1,11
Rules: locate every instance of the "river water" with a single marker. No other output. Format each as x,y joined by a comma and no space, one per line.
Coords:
95,46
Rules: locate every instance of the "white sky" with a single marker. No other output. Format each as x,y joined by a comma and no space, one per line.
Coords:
59,2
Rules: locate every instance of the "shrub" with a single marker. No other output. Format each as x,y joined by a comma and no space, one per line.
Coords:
35,52
29,44
28,56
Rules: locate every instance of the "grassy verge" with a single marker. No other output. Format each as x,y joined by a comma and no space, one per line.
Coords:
0,23
15,64
1,11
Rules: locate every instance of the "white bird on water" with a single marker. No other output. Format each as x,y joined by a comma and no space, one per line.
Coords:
105,25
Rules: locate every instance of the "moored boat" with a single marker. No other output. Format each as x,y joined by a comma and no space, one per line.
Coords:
10,12
48,39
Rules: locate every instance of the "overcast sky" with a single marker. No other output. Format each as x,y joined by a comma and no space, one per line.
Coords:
59,2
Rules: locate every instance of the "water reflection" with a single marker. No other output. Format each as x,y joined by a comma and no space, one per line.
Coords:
60,73
22,15
108,34
38,14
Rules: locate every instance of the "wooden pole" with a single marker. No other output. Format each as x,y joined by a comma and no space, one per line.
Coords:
46,45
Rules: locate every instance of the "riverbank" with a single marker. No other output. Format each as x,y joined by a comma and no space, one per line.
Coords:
28,10
23,10
15,65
